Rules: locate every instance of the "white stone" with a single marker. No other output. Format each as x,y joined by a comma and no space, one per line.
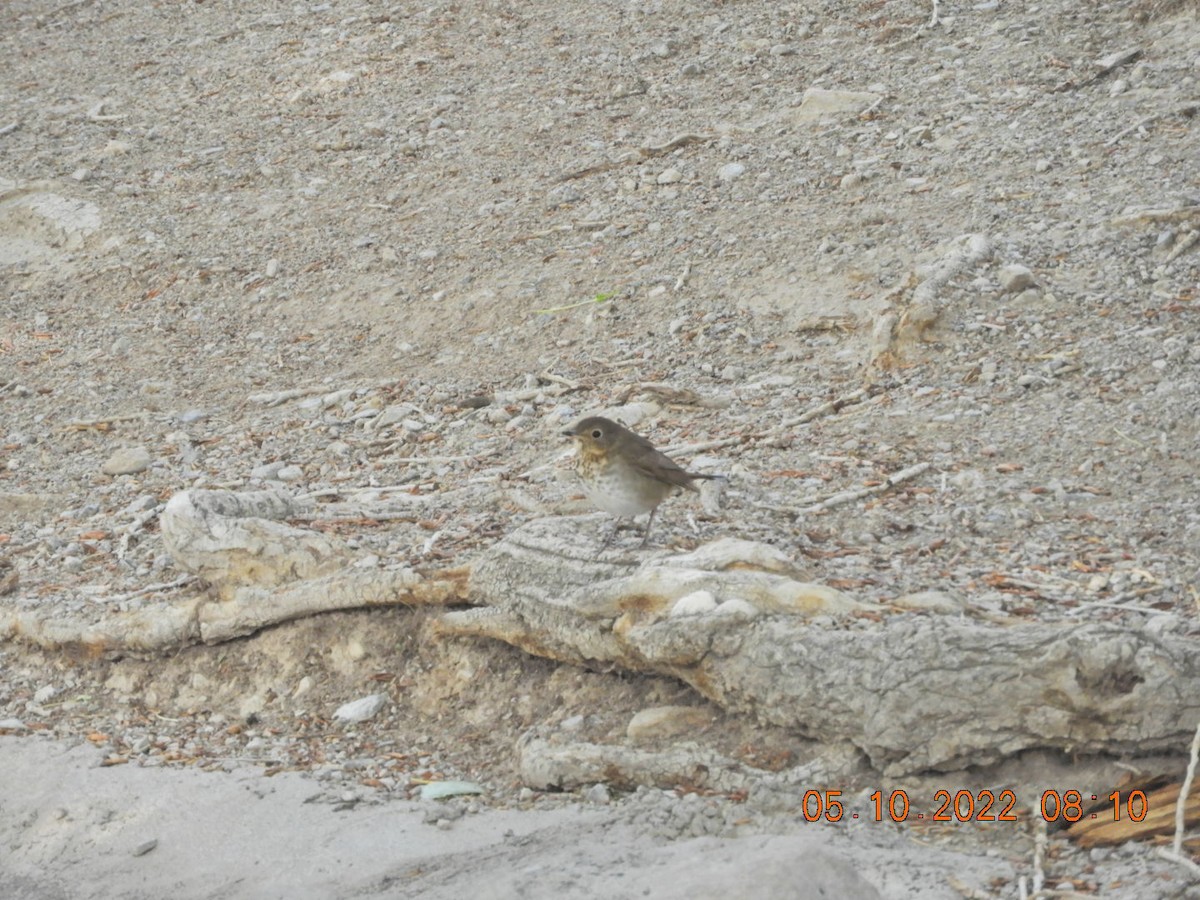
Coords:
743,609
598,794
127,461
694,604
44,693
267,471
731,171
1015,278
818,102
667,721
361,709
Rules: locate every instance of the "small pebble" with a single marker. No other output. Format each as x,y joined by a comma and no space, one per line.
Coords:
44,693
598,794
360,710
267,471
694,604
1014,278
740,608
667,721
731,171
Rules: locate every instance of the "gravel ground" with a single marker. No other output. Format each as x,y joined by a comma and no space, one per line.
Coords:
367,245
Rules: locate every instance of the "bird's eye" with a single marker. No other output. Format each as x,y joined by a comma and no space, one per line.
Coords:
597,433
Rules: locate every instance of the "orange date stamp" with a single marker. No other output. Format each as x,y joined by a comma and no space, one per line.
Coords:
977,806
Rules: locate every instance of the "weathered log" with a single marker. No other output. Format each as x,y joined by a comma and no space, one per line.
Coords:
733,619
913,692
236,539
260,572
171,624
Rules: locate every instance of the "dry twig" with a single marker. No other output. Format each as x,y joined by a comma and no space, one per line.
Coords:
1175,854
773,434
843,497
641,153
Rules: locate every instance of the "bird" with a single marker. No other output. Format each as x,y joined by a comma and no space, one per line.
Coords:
622,472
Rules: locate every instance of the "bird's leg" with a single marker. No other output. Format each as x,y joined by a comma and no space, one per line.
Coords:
649,522
612,534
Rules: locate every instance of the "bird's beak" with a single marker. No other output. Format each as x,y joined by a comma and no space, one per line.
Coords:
568,433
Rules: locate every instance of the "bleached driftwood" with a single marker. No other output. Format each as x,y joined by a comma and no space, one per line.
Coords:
170,625
261,571
549,594
236,539
913,693
901,326
734,619
239,542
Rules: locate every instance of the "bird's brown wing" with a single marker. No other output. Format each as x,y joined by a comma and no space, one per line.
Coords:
658,465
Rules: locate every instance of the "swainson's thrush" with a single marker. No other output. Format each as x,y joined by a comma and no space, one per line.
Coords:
622,473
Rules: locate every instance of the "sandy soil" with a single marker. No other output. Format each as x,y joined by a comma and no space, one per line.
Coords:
73,831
